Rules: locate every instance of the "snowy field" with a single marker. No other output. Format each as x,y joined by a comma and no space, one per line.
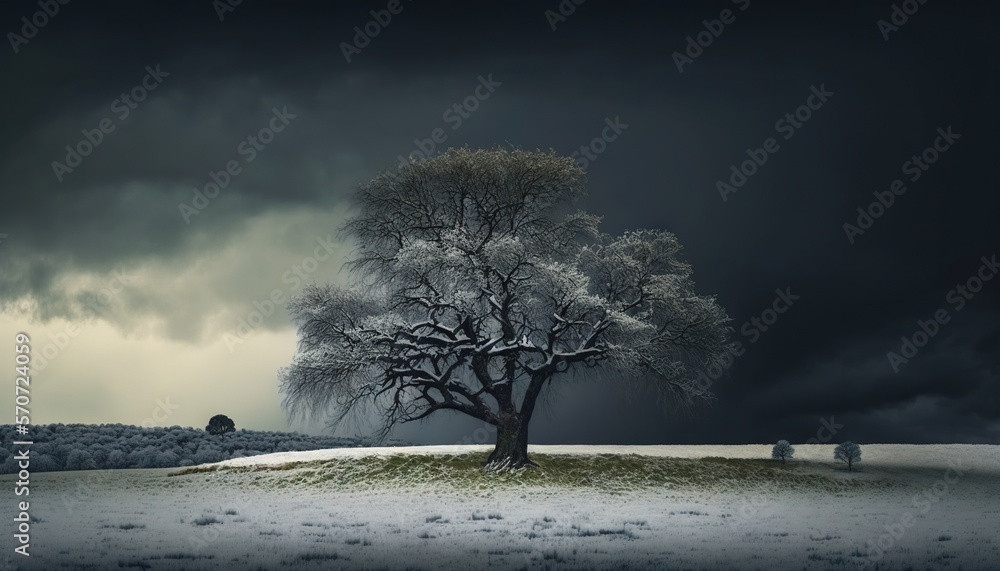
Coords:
909,507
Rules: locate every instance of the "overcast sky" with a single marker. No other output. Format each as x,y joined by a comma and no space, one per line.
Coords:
134,292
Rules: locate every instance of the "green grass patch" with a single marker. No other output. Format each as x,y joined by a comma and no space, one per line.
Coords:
194,470
236,469
605,472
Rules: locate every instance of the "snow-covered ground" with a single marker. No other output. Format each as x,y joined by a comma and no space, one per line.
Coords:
931,507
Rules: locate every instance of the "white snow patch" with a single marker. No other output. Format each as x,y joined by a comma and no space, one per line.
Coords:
138,519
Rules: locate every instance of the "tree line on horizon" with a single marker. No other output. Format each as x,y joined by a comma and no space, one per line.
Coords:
60,447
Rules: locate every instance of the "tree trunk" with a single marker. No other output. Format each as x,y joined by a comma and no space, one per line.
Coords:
511,450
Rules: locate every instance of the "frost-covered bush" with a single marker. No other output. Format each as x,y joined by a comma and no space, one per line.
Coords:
208,456
167,460
146,457
80,460
116,459
99,452
44,463
8,465
782,450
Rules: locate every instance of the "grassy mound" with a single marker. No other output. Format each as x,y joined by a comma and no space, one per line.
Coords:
604,472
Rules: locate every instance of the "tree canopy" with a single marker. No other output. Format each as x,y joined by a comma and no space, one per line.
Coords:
849,453
474,285
219,425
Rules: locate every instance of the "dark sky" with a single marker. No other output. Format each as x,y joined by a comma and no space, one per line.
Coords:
165,330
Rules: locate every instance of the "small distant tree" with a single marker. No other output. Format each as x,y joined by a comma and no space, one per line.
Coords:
782,450
848,453
220,424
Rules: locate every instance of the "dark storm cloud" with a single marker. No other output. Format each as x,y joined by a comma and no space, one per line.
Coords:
222,80
782,229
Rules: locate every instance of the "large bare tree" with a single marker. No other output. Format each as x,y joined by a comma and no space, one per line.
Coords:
475,287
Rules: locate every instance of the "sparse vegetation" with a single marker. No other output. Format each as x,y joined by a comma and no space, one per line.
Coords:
319,557
125,526
607,472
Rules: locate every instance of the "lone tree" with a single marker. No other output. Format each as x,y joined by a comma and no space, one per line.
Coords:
220,424
475,288
849,453
782,451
